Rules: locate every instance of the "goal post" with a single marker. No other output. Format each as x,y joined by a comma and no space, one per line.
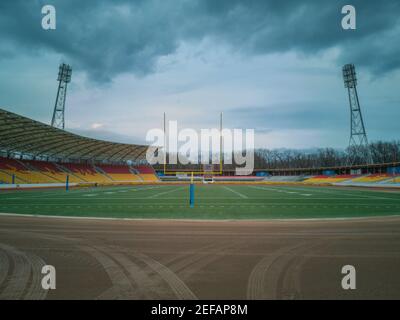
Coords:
208,173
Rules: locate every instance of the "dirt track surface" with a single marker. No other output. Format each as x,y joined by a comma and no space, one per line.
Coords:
117,259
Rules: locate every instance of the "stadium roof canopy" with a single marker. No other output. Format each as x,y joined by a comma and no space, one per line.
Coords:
24,136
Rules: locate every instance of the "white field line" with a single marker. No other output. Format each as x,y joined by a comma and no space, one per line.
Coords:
165,192
278,190
100,192
81,192
339,192
236,192
145,188
265,188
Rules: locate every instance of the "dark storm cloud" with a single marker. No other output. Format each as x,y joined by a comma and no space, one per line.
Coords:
285,117
106,38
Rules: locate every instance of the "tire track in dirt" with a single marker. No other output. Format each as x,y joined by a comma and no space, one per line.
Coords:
142,286
171,272
35,290
147,286
197,255
204,259
122,287
4,266
179,287
289,280
262,280
23,280
121,273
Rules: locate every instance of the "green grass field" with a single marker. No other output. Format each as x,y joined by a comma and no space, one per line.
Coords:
211,202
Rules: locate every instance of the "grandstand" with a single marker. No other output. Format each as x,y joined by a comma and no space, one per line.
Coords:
33,153
379,177
329,179
357,180
41,172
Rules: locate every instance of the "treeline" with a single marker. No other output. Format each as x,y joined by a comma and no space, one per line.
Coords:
376,152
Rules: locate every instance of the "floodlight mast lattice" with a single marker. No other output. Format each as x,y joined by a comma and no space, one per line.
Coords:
358,143
64,77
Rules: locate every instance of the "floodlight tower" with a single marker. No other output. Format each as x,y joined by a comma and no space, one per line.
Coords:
358,144
64,77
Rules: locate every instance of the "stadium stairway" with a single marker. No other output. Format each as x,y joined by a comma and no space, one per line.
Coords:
147,173
13,167
101,171
6,178
119,173
37,173
86,172
72,177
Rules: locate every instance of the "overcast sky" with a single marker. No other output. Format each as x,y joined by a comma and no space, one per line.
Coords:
274,66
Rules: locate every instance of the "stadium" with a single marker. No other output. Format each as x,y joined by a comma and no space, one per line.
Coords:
116,226
98,183
138,235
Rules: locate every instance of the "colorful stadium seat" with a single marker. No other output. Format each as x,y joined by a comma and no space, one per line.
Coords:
373,178
119,173
33,171
147,173
329,179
